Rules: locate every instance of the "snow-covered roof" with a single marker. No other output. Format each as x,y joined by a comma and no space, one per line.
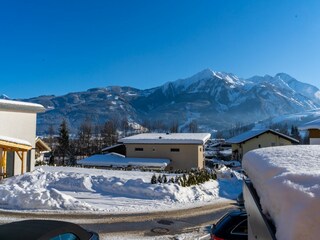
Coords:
255,133
315,124
15,140
115,159
10,105
287,180
165,138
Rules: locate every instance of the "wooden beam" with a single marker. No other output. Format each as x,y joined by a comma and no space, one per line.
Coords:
14,146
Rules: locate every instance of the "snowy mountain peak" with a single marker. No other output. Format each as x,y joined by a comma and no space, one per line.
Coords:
3,96
206,75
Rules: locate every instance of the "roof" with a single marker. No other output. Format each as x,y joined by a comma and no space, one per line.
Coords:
255,133
41,145
167,138
115,159
315,124
18,106
14,143
40,229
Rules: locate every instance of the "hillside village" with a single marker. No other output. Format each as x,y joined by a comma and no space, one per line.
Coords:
169,170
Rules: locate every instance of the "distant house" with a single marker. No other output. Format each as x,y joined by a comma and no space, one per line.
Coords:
254,139
185,150
41,149
17,136
313,129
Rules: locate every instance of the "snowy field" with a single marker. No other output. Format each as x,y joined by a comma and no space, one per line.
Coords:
287,180
111,191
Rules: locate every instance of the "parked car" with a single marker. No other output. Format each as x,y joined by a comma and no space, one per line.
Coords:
45,230
232,226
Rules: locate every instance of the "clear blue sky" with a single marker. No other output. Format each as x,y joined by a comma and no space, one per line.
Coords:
61,46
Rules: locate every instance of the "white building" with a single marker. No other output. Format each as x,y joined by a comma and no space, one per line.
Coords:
313,129
184,150
17,136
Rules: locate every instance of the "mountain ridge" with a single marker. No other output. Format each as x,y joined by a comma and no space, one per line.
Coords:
215,100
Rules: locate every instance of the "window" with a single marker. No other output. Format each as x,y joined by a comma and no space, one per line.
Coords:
175,149
138,149
65,236
241,228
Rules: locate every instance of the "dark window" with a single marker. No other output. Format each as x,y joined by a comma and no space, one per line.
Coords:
138,149
241,228
175,149
65,236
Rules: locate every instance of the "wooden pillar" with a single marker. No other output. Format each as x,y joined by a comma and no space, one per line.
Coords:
22,163
4,161
21,156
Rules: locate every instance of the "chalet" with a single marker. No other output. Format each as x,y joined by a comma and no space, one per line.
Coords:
313,129
17,136
41,149
184,150
254,139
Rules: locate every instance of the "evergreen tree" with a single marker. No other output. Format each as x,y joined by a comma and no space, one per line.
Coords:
63,141
159,179
165,180
153,179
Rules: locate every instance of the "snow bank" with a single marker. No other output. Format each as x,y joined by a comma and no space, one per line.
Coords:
81,189
287,180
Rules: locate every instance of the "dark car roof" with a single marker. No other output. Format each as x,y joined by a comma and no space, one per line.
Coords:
228,222
40,229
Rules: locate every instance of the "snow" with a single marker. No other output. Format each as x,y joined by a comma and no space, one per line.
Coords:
164,138
118,160
15,140
10,104
74,189
287,180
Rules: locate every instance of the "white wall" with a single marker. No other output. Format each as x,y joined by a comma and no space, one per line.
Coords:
22,126
314,141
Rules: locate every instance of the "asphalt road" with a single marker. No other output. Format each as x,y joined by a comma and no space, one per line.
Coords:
139,224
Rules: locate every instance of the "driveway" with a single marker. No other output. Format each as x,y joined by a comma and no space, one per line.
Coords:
151,224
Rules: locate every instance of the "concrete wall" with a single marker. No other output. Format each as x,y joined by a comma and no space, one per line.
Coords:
189,155
22,126
264,140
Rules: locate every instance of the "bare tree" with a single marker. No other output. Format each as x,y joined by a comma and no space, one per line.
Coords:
193,126
84,138
174,128
109,133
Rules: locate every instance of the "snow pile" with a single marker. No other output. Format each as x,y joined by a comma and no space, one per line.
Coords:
81,189
287,180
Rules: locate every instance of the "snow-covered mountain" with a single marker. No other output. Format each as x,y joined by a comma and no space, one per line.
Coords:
215,100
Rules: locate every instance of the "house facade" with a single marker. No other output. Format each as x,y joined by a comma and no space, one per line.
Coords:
184,150
255,139
17,136
313,129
